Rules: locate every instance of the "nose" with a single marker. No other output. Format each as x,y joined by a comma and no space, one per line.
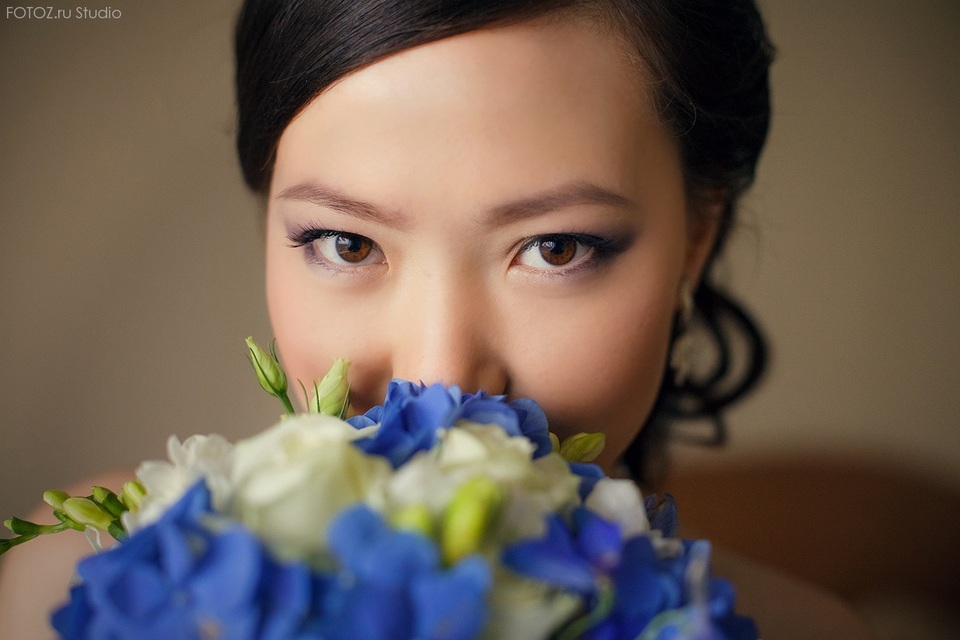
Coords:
445,329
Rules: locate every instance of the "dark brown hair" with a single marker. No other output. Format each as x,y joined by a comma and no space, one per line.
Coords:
708,61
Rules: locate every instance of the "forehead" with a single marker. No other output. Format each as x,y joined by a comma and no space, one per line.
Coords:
534,103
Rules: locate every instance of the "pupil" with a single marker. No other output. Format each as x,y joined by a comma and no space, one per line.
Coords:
558,251
353,248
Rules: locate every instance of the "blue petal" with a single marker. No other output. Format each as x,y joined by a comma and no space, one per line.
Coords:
552,559
352,532
590,475
71,620
598,540
533,425
228,575
285,598
395,558
451,605
176,555
140,592
663,516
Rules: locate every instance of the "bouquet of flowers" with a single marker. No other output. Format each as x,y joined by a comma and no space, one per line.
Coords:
438,515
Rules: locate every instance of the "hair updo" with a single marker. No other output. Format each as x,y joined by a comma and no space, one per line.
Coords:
708,62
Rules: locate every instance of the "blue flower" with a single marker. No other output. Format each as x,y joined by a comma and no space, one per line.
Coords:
391,586
590,558
412,416
180,579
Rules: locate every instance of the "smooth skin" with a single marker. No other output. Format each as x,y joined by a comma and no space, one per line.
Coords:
468,179
501,210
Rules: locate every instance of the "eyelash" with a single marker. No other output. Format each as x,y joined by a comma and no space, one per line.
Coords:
603,249
306,236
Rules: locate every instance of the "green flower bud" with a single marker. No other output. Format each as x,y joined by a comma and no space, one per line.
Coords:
88,513
55,498
555,441
582,447
109,501
269,373
132,494
332,394
468,517
416,518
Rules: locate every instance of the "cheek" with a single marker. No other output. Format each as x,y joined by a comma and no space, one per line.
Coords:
315,325
606,371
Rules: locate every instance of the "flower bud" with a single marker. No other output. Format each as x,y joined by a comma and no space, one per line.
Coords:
468,517
332,394
416,518
555,441
132,494
269,373
88,513
109,501
55,498
582,447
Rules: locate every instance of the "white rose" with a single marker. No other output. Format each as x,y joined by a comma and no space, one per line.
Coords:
531,488
208,457
292,479
620,501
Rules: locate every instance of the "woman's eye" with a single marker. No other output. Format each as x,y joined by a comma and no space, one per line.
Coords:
339,249
554,252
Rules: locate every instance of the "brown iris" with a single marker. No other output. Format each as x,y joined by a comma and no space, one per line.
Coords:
558,250
354,249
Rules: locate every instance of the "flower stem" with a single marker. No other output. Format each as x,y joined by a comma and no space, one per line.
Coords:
576,628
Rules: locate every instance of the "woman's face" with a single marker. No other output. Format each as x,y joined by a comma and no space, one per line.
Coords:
500,210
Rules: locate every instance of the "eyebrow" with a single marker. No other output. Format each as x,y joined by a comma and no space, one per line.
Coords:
569,195
324,196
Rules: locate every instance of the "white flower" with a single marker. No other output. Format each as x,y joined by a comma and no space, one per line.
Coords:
522,608
292,479
209,457
531,488
620,501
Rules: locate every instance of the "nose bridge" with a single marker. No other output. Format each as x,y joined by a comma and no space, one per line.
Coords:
444,325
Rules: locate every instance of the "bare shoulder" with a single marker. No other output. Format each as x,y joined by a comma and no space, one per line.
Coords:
785,607
35,577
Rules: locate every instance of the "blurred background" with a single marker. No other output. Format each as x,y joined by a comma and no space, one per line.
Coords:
131,272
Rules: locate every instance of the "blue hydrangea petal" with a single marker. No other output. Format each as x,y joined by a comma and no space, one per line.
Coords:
485,410
664,516
363,420
451,605
71,619
638,586
589,474
533,425
285,597
228,574
138,592
352,532
397,557
175,551
598,540
552,559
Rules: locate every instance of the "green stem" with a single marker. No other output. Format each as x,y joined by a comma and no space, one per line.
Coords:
581,625
287,405
9,543
36,530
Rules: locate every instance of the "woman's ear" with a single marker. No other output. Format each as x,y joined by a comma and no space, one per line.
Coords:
704,223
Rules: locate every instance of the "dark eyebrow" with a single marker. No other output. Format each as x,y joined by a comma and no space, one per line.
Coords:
577,193
569,195
324,196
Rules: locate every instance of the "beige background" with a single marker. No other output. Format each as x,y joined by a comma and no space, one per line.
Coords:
130,260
